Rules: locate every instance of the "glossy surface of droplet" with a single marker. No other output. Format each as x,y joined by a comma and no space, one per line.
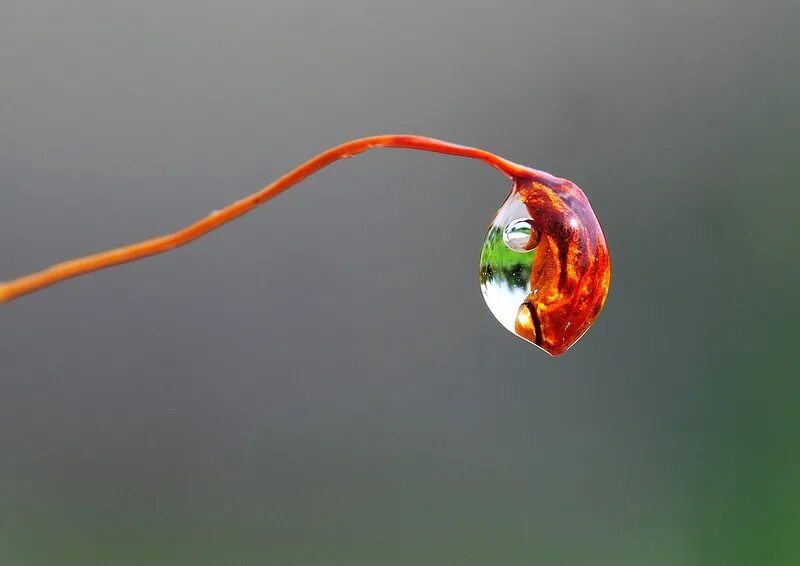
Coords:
544,267
505,265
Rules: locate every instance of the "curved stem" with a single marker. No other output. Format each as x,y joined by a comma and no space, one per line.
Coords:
80,266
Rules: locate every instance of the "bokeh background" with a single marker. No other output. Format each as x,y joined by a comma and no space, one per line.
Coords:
320,383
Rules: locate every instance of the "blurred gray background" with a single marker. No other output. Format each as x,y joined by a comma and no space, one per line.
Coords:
320,382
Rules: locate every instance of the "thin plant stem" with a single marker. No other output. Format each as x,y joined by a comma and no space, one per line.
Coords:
37,281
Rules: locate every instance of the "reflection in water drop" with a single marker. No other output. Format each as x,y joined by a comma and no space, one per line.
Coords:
506,258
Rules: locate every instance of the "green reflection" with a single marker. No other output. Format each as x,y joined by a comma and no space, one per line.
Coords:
500,263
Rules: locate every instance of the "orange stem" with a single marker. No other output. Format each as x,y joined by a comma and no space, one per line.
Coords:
80,266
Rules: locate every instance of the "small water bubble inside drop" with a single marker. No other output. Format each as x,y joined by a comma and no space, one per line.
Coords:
521,235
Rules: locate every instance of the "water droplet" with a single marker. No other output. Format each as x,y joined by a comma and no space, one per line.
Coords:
508,251
521,235
545,267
